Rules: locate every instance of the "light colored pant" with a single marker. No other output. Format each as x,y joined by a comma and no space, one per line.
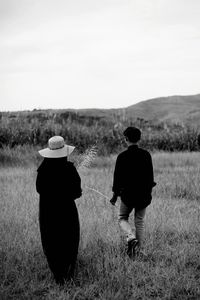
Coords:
137,231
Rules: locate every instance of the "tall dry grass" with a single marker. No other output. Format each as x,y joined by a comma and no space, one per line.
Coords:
172,237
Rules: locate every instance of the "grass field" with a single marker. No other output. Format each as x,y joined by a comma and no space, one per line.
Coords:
172,236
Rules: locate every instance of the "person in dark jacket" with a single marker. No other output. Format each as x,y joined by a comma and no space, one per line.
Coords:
58,184
133,182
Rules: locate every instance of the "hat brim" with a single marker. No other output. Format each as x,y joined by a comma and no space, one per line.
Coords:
62,152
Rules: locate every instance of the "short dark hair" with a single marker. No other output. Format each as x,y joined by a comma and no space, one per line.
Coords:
133,134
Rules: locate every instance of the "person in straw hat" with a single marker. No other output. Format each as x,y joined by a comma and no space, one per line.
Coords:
59,184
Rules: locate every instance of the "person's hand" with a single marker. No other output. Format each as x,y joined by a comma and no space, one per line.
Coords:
113,199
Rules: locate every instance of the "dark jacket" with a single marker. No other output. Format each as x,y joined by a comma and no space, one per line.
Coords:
133,177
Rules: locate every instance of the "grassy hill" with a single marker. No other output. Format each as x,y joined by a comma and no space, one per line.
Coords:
175,109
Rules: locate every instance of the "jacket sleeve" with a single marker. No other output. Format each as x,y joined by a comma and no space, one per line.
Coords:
150,174
77,190
42,183
117,177
38,183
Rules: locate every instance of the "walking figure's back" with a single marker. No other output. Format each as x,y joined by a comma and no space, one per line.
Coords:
133,182
59,184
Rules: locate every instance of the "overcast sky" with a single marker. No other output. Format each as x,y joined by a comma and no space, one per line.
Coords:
97,53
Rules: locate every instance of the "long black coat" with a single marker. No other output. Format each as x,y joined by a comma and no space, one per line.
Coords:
133,177
59,184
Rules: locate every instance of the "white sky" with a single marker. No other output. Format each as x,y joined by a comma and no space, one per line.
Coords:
97,53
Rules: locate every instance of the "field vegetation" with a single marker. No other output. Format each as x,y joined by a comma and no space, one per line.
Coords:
102,128
171,268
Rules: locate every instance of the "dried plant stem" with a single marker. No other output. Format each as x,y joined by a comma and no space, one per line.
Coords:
92,189
88,157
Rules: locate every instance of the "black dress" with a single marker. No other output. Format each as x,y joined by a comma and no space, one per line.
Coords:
59,184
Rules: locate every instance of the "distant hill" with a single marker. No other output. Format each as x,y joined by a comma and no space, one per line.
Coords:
174,109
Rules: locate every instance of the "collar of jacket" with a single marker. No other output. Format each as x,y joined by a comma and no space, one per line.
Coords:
132,147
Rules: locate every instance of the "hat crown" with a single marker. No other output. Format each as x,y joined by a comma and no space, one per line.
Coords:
56,142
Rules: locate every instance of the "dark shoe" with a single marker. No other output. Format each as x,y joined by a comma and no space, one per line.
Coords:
132,248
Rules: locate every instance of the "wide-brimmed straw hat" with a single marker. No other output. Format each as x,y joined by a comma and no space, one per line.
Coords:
56,148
